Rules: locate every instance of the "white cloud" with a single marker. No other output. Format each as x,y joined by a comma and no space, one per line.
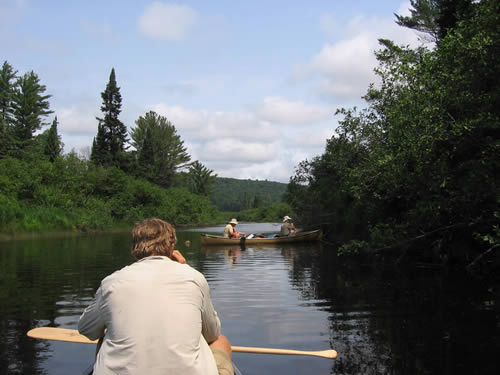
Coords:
282,111
238,151
314,139
343,69
203,125
166,21
404,9
76,121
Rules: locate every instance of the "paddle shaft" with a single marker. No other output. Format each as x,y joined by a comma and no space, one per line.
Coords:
320,353
72,335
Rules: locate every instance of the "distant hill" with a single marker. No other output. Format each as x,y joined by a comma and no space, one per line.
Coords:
231,194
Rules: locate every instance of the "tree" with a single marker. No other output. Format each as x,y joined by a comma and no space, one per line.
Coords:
168,150
99,154
7,88
113,132
147,156
423,18
435,17
202,179
29,106
53,147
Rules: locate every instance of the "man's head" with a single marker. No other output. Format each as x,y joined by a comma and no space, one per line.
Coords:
233,222
153,237
287,219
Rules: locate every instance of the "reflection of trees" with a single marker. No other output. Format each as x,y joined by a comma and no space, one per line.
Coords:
19,353
39,284
387,320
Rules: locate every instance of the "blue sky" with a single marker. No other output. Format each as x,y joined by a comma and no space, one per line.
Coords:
251,86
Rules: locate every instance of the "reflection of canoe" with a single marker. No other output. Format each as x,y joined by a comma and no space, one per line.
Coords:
90,370
208,239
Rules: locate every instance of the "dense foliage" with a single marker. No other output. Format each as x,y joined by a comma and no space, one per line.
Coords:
419,167
231,194
72,194
266,214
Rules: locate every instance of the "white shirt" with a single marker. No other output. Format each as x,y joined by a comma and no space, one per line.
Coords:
158,317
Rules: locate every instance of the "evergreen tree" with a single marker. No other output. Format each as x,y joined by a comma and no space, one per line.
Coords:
114,131
53,147
7,87
423,18
435,17
99,153
202,179
29,105
169,152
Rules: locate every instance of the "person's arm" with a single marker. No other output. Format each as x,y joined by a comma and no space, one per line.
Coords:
178,257
210,323
91,323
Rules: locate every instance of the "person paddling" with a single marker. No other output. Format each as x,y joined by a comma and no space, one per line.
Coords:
288,227
156,316
230,230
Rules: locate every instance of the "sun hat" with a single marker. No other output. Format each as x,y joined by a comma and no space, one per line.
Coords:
287,218
233,221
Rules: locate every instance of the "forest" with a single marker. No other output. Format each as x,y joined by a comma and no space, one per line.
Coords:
416,172
127,176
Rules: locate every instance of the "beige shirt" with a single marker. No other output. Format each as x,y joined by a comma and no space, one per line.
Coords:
158,317
287,228
228,231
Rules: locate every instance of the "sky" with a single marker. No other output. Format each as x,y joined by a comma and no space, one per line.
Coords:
251,87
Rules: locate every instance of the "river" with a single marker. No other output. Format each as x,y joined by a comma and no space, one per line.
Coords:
381,320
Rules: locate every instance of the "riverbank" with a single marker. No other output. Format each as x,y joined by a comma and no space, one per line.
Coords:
60,233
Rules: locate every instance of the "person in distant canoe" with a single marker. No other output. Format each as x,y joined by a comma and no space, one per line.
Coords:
230,230
156,316
288,227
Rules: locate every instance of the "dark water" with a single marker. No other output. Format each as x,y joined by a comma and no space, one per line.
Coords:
381,320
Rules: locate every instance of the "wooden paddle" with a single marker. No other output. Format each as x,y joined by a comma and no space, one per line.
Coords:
72,335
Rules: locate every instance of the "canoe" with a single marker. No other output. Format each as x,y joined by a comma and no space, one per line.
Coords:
315,235
89,370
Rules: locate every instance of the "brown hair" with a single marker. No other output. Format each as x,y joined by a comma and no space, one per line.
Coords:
153,237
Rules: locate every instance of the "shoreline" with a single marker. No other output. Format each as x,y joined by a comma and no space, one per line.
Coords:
53,234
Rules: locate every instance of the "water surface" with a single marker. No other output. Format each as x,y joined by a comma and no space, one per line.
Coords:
380,319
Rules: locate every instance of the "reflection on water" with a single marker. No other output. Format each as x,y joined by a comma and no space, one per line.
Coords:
296,296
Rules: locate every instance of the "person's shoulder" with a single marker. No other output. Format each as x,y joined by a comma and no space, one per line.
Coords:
192,273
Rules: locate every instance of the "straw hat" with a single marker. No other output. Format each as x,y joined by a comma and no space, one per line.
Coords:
286,218
233,221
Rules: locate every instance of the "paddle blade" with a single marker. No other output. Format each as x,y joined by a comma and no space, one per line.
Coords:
59,334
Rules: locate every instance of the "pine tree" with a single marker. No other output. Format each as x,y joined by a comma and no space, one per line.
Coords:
435,17
100,154
29,105
115,132
7,89
53,147
169,152
202,179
